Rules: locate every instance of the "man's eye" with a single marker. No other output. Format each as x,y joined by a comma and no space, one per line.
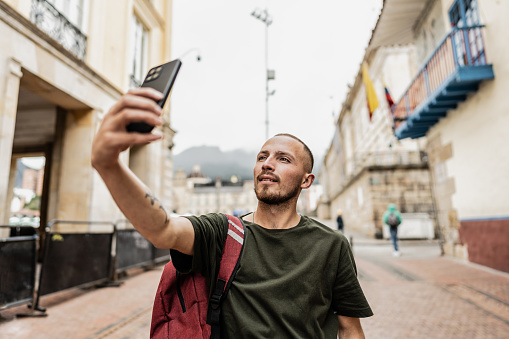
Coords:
285,159
261,157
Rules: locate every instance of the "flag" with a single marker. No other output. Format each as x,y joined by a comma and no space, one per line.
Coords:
390,102
370,91
388,97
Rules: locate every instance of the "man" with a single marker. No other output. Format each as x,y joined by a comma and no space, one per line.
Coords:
339,221
297,278
392,218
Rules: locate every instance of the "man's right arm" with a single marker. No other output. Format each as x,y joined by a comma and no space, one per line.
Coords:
133,198
350,328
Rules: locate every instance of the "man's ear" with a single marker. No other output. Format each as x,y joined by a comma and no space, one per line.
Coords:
307,181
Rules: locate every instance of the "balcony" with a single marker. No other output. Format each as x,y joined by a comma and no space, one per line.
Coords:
49,20
456,68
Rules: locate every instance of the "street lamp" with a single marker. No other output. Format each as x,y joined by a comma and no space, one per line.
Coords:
263,16
198,56
166,122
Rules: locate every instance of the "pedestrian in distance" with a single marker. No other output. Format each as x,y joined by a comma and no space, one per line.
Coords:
297,277
339,221
392,218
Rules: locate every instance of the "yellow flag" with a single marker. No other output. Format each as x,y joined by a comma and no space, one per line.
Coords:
370,91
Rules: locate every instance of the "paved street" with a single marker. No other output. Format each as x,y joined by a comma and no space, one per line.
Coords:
418,295
421,295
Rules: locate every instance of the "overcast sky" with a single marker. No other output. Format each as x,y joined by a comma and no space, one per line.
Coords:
315,48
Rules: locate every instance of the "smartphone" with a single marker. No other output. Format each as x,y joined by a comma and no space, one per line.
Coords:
160,78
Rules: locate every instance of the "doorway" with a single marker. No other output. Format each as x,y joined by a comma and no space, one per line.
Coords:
27,191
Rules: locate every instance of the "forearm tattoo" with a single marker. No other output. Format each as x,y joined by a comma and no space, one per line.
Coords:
154,201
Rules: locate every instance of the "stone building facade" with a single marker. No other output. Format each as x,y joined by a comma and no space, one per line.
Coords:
196,194
366,167
456,100
63,64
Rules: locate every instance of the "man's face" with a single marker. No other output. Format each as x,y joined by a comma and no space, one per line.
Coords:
279,172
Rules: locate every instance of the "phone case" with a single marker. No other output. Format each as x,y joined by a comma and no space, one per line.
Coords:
160,78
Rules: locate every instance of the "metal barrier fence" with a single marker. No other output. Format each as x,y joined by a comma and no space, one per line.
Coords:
20,230
133,250
76,254
18,255
75,259
161,255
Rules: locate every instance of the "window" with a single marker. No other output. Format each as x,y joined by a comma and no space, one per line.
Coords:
73,10
139,52
63,20
469,41
463,13
27,191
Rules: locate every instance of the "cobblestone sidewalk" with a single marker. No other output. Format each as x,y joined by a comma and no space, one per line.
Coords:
110,312
418,295
423,295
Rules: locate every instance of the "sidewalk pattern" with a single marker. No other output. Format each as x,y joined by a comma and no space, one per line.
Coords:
110,312
431,297
418,295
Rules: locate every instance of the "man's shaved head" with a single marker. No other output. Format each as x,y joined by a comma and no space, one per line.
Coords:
311,161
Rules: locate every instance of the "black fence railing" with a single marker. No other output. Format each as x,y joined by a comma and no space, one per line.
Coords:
75,259
20,230
76,254
45,16
133,82
18,255
133,250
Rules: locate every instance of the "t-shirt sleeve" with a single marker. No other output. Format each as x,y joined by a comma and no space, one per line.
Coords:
348,298
209,235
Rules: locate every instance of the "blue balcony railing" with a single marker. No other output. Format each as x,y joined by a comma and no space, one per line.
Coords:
57,26
456,68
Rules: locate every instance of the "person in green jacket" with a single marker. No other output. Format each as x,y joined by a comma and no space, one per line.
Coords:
392,218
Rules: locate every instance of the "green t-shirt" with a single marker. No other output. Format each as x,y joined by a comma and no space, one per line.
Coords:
291,283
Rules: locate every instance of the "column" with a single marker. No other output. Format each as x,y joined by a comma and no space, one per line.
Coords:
8,110
74,186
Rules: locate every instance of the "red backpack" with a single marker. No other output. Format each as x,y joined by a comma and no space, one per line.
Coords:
182,307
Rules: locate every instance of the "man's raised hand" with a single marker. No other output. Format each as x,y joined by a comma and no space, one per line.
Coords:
112,138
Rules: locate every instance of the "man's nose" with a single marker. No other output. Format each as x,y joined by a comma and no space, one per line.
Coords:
268,164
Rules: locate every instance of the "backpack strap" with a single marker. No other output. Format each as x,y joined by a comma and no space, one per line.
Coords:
228,266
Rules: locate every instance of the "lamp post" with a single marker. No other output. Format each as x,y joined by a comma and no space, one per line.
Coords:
166,122
198,56
263,16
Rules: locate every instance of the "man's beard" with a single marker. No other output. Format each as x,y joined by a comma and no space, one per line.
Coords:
276,198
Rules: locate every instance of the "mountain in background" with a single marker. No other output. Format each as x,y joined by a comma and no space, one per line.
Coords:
214,162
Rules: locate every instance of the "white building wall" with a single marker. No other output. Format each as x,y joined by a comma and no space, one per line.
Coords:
85,90
478,129
431,31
